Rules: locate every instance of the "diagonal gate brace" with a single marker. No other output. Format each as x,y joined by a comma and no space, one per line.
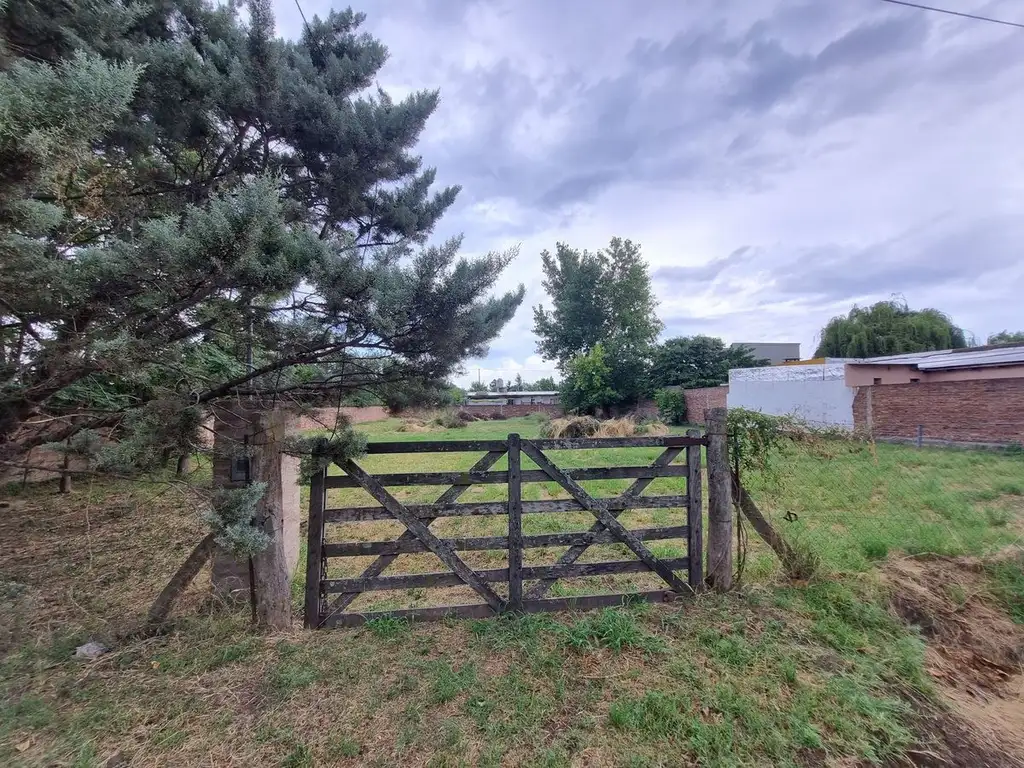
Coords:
443,550
574,553
604,516
378,566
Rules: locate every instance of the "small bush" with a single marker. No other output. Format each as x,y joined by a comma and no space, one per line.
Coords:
449,419
671,405
571,426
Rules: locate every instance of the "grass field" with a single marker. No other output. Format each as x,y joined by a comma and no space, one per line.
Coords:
817,673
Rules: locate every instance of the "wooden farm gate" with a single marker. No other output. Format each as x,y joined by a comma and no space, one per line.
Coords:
326,599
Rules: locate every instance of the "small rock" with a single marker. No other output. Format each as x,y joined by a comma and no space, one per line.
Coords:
90,651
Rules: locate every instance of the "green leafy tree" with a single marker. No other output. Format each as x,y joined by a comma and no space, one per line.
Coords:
588,383
193,209
697,361
1006,337
603,297
543,384
889,328
671,405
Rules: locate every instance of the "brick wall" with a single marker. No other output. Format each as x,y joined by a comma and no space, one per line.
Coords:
700,400
323,418
982,411
697,402
513,411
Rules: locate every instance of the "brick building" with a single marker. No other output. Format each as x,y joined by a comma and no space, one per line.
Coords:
971,395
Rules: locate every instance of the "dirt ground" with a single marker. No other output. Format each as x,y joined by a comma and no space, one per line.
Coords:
975,655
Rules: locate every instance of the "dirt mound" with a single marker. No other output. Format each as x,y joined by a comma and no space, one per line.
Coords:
974,653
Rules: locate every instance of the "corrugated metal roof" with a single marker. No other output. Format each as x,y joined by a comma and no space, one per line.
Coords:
947,359
981,357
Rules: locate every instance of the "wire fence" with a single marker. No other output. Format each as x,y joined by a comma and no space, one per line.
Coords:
843,503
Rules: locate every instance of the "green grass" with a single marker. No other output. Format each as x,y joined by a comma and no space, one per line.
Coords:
1007,579
780,674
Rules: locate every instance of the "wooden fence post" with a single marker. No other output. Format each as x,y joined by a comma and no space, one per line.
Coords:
695,513
314,550
719,564
515,525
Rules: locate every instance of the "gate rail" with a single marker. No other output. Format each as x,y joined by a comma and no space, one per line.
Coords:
327,598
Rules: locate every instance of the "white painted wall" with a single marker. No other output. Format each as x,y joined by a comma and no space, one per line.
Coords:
815,393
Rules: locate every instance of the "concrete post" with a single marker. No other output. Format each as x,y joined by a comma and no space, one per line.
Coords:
236,426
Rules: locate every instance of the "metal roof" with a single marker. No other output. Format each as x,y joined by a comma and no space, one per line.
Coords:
947,359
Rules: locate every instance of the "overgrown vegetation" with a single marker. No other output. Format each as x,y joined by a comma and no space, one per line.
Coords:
671,406
781,675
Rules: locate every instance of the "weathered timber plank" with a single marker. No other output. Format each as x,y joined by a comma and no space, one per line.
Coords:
444,553
695,518
495,478
377,567
431,511
584,443
515,525
483,611
492,575
627,500
719,564
435,446
314,551
601,513
475,544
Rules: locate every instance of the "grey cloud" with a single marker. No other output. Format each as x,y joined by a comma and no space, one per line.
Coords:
623,130
704,273
913,261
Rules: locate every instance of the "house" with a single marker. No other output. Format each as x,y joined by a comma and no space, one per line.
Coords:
775,352
1004,361
512,398
969,396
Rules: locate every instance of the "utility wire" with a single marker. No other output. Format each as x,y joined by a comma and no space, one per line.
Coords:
956,13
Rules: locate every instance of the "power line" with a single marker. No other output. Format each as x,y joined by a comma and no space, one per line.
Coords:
956,13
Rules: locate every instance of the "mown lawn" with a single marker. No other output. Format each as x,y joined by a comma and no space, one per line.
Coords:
816,673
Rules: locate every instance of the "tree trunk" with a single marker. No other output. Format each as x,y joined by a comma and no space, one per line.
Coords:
184,465
65,475
179,582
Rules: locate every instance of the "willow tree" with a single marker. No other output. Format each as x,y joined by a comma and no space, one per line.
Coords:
889,328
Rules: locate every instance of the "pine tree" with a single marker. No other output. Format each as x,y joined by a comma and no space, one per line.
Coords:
197,188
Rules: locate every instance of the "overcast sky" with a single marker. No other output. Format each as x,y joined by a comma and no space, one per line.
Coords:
778,160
